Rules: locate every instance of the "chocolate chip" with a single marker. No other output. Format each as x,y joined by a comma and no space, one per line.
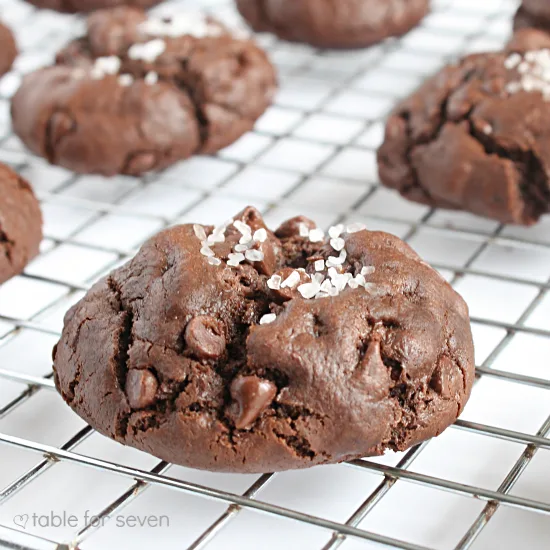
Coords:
373,371
205,337
291,228
59,126
141,388
252,395
251,217
139,163
446,380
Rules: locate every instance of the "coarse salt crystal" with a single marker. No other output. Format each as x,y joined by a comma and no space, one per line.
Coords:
291,281
316,235
241,247
268,319
235,259
274,282
260,236
309,290
206,251
214,261
148,51
355,227
303,229
319,265
253,255
242,228
512,61
151,78
367,270
199,232
125,80
338,244
336,230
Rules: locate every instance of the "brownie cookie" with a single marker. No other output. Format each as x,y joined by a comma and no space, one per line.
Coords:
139,93
233,348
8,49
74,6
476,137
334,24
533,14
20,224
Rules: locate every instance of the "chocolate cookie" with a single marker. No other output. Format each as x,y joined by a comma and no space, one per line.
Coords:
8,49
75,6
20,224
233,348
330,24
139,93
533,14
476,137
524,40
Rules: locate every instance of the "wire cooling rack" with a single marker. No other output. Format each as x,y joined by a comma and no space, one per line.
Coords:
483,484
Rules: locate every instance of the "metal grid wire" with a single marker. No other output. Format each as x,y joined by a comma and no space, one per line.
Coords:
312,153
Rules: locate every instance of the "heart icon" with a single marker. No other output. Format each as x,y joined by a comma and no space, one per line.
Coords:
21,521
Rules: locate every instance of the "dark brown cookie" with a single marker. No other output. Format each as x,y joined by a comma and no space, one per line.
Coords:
75,6
533,14
238,349
8,49
138,94
476,137
20,224
334,23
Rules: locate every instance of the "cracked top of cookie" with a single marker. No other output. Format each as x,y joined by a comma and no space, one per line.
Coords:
20,223
334,23
140,92
8,49
236,348
476,137
75,6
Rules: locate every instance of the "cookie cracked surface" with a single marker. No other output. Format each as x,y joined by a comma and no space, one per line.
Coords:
75,6
239,349
20,224
476,137
334,23
8,49
139,93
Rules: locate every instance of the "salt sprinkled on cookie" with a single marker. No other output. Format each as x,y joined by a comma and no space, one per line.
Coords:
534,68
181,24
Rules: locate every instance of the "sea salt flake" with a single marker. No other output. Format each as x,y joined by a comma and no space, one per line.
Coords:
206,251
303,229
316,235
319,265
370,287
241,247
274,282
291,281
243,228
318,278
336,230
125,80
512,61
367,270
360,280
338,244
355,227
353,284
214,261
260,236
326,286
151,78
253,255
199,232
148,51
235,259
309,290
268,319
